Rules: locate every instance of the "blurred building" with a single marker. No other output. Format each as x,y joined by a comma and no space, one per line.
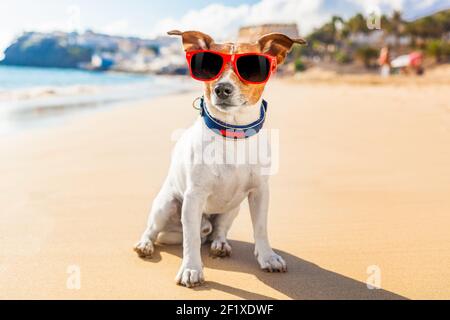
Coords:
253,33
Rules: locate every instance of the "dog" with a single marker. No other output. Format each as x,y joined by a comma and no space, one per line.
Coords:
199,201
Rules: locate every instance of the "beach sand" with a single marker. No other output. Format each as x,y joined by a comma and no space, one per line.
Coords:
363,186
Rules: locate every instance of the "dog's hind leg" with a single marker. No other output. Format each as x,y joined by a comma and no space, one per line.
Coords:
222,224
164,207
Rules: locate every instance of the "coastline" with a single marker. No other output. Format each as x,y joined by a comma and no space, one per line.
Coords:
38,105
363,181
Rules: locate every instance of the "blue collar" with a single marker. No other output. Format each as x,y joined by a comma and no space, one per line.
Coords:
232,131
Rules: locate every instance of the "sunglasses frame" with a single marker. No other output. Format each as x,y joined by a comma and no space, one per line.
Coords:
233,58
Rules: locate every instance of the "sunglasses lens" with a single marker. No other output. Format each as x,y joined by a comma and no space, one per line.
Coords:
253,68
206,65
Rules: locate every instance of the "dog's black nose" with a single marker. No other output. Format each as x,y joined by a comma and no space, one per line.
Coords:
224,90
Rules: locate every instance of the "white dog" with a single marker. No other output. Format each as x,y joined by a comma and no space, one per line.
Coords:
200,198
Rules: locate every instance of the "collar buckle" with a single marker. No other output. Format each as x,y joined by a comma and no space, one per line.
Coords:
198,106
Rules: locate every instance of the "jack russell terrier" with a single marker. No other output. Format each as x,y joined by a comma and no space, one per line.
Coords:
200,199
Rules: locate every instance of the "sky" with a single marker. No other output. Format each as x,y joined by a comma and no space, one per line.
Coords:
220,18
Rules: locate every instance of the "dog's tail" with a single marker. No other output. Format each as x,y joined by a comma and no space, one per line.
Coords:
176,237
207,227
170,238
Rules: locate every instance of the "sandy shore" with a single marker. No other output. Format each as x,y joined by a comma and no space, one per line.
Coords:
364,181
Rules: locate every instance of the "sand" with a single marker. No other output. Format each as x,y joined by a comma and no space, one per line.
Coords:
363,185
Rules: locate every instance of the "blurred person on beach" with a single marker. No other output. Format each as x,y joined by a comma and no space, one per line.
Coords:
385,61
416,62
409,62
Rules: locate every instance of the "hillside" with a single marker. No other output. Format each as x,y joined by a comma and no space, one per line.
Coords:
87,51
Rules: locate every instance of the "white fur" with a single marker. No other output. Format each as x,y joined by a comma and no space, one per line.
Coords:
197,192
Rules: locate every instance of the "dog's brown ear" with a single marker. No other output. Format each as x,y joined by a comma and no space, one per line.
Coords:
278,45
193,40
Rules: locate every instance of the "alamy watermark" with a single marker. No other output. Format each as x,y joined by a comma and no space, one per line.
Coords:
260,150
373,282
373,21
74,277
73,18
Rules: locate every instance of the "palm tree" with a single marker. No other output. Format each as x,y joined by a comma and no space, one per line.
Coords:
357,24
338,26
397,26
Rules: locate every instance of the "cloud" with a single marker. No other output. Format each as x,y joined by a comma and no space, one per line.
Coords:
117,27
410,8
223,22
369,6
8,34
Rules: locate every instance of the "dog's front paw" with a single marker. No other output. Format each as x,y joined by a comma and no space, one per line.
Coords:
144,249
272,263
220,249
190,277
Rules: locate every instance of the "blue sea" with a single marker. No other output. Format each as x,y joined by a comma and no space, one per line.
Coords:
30,96
24,77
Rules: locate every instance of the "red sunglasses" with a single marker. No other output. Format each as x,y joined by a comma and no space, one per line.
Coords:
253,68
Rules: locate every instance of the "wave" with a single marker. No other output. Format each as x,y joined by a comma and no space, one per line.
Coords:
45,92
40,102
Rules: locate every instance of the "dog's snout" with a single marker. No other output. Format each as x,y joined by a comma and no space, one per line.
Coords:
224,90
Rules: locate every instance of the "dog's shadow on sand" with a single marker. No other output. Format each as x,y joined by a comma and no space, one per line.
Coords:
303,281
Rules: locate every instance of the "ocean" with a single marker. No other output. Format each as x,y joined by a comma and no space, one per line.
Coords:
35,96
